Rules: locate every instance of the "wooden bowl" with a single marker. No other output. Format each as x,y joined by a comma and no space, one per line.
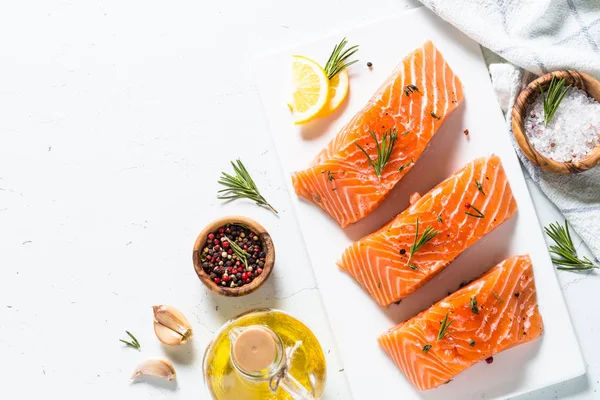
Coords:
268,247
584,82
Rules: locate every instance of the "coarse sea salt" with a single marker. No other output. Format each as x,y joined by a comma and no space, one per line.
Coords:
572,133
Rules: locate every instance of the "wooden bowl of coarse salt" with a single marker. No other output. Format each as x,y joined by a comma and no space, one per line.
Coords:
570,141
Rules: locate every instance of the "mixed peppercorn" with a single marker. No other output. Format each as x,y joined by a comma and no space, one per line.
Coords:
223,265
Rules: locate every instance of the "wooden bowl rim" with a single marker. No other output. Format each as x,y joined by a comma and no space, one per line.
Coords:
526,97
268,246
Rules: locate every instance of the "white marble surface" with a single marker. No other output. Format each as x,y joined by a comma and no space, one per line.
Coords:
116,120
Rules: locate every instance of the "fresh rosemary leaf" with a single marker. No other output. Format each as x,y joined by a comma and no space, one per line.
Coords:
241,186
384,150
403,166
408,89
239,252
478,214
497,297
413,267
434,115
479,186
134,342
473,304
338,59
444,325
428,234
563,251
552,97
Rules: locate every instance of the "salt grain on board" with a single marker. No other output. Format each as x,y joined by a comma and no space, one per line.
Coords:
573,132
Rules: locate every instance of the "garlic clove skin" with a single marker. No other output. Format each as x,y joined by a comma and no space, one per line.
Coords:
155,367
171,326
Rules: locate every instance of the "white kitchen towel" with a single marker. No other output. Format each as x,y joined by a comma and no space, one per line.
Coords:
539,36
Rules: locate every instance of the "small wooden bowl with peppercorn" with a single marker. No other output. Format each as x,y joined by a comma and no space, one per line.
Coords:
527,97
233,256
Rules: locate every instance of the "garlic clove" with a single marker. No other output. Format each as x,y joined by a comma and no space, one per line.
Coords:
167,335
155,367
171,326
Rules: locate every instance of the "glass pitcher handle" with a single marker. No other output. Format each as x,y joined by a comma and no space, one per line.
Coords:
292,387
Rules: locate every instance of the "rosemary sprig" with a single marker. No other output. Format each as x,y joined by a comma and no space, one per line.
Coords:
384,149
479,213
239,252
339,56
241,186
479,186
134,342
428,234
444,325
473,304
563,251
552,97
434,115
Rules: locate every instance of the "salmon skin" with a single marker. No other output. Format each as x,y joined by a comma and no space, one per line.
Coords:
382,261
412,103
490,315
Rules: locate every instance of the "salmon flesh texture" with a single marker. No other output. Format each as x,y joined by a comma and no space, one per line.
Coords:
340,179
382,262
505,315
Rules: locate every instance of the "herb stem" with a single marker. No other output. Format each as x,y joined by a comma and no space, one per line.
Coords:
239,252
134,342
553,97
444,325
428,234
563,251
384,150
339,56
241,186
479,213
479,186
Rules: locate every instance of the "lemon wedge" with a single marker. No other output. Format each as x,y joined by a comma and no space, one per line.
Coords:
338,90
311,89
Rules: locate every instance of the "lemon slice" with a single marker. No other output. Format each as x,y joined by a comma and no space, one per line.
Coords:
338,90
311,89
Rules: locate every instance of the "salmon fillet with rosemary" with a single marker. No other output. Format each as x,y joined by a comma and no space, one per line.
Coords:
410,106
421,241
492,314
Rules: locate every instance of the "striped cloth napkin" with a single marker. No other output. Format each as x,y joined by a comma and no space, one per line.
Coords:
531,38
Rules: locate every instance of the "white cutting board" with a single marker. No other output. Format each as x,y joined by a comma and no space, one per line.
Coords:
355,318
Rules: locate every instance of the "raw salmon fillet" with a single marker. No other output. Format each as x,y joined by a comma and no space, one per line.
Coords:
506,315
340,179
380,261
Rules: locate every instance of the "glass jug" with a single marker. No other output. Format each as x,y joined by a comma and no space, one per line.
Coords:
264,354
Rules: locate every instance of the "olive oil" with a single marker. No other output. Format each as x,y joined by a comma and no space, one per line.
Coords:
305,365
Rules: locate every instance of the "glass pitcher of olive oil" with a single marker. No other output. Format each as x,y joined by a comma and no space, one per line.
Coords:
264,355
